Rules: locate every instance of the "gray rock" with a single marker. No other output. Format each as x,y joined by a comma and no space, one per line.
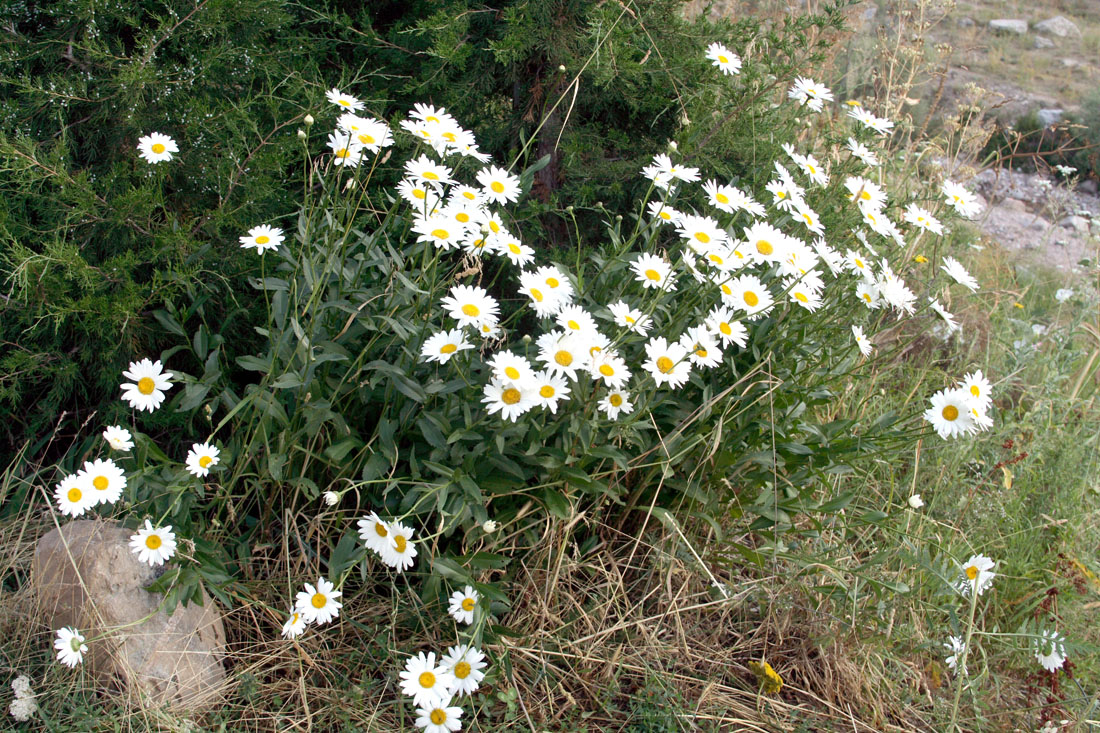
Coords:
1043,42
869,13
1076,223
1014,205
1039,224
1048,117
87,576
965,22
1070,63
1088,186
1006,25
1060,26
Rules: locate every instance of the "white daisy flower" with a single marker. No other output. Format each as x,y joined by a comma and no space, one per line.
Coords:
262,238
950,413
425,170
331,498
374,532
630,318
500,186
446,234
663,171
727,61
370,134
978,387
74,496
462,605
118,438
1050,650
149,382
922,219
667,363
103,479
157,148
963,201
609,368
425,198
976,575
442,717
721,323
70,646
153,545
518,253
766,243
563,353
702,349
426,682
318,604
544,300
575,319
294,626
465,663
616,403
952,324
653,272
956,646
346,101
862,152
201,458
809,93
471,306
700,232
663,213
508,399
442,346
955,269
345,151
867,292
915,502
749,294
548,389
865,192
512,368
400,550
862,341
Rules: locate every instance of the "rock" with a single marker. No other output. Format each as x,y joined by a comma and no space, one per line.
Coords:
1060,26
1006,25
1076,223
1043,42
965,22
1039,224
1048,117
1088,186
86,576
1070,63
869,13
1014,205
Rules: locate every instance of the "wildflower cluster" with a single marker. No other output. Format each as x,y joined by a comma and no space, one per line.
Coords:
24,706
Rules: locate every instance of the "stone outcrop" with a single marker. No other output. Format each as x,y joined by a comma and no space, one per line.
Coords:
1060,26
87,576
1007,25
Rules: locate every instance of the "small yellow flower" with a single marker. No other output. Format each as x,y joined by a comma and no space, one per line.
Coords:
769,680
852,103
1018,305
921,259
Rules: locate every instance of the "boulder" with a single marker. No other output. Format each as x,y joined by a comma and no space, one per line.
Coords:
965,22
1048,117
1076,223
1060,26
86,576
1088,186
1007,25
1043,42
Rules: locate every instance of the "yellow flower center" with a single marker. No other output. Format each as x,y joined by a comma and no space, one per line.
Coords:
653,275
380,530
573,325
343,103
628,319
401,543
75,494
426,680
512,372
469,195
462,670
471,310
545,391
616,400
726,289
366,139
153,542
514,248
664,364
809,219
552,282
432,118
764,247
494,227
449,136
536,294
462,216
867,297
441,233
865,195
263,239
665,215
318,600
751,298
725,328
716,259
100,482
510,396
563,358
205,461
702,237
950,412
448,349
467,604
723,59
606,370
431,176
158,148
811,169
419,193
438,716
146,385
342,153
801,297
781,194
497,187
859,263
972,572
975,391
701,353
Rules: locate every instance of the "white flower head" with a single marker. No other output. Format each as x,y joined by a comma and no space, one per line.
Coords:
74,495
157,148
70,646
345,101
954,645
426,682
976,575
262,238
462,605
103,479
400,550
727,61
294,626
318,604
148,383
201,458
153,545
1050,650
465,663
950,413
616,403
119,438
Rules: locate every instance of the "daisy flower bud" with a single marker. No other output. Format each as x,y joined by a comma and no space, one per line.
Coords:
308,120
301,134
